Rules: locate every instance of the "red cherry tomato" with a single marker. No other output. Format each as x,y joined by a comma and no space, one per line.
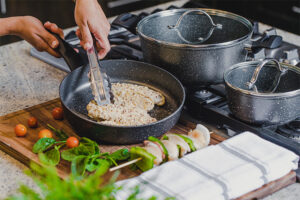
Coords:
45,133
57,113
32,122
20,130
72,142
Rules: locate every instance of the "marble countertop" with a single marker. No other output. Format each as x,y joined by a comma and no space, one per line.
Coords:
26,81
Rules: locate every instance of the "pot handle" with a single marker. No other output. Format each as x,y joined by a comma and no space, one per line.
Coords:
251,83
128,21
201,39
72,58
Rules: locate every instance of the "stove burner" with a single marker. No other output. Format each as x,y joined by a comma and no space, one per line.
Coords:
295,125
290,57
259,54
203,94
291,130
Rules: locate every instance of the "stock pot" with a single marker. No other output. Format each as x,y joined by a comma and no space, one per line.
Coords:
196,45
263,93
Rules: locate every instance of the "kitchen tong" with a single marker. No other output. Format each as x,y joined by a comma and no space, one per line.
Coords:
100,83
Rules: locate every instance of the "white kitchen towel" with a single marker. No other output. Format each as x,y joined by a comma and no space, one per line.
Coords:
225,171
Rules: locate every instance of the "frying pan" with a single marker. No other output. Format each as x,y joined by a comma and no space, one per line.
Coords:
75,93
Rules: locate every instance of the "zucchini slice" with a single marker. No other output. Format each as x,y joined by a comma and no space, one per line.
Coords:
154,139
188,140
147,161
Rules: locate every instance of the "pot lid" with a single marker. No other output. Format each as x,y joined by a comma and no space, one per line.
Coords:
266,78
195,27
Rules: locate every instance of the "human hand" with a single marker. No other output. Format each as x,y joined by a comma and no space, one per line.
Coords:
91,19
32,30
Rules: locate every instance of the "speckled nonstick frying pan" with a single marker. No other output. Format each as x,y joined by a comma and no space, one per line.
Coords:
75,93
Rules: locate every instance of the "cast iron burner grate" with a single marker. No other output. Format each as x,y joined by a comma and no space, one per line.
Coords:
291,130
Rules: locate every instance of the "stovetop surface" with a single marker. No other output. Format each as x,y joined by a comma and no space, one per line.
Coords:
205,104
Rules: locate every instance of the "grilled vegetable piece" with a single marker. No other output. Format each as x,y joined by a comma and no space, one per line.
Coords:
189,141
201,135
184,147
165,150
155,150
196,144
147,161
173,151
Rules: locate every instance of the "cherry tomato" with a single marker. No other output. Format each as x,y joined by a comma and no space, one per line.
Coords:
32,122
45,133
72,142
20,130
57,113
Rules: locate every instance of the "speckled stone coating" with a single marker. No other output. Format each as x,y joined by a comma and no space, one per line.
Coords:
19,71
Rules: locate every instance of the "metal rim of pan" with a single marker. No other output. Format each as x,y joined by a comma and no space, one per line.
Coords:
257,94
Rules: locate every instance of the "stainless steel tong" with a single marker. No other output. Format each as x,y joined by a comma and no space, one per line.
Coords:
99,80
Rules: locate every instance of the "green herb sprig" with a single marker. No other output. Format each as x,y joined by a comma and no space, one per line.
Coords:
53,187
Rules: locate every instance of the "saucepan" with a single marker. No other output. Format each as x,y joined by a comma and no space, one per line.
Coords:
263,93
196,45
75,93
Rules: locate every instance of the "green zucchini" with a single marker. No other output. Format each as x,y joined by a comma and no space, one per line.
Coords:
147,158
179,150
189,141
165,137
154,139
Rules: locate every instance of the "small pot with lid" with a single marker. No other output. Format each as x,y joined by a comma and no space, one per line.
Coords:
196,45
263,93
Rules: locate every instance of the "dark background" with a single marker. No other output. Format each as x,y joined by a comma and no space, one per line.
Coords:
279,13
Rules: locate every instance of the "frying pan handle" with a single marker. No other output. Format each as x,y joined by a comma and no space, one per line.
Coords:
257,70
72,58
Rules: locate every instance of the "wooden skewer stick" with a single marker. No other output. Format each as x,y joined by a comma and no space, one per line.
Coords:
130,162
124,164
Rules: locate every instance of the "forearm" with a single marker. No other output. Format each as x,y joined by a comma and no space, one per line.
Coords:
9,26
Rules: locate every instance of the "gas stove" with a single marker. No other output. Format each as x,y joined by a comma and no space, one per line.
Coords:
207,104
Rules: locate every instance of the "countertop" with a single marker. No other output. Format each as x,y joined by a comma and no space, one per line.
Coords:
26,81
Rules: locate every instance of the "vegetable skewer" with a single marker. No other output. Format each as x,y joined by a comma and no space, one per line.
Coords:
170,147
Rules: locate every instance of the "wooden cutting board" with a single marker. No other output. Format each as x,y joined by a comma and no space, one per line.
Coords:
21,147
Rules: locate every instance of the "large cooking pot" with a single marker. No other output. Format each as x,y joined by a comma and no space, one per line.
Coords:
196,45
263,93
75,93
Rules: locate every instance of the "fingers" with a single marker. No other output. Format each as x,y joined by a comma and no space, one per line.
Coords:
41,45
52,52
103,48
78,33
86,37
49,38
54,28
102,44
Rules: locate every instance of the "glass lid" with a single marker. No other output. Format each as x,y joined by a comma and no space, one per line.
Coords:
200,27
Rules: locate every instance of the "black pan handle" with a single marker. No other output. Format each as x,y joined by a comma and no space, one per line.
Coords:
72,58
128,21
